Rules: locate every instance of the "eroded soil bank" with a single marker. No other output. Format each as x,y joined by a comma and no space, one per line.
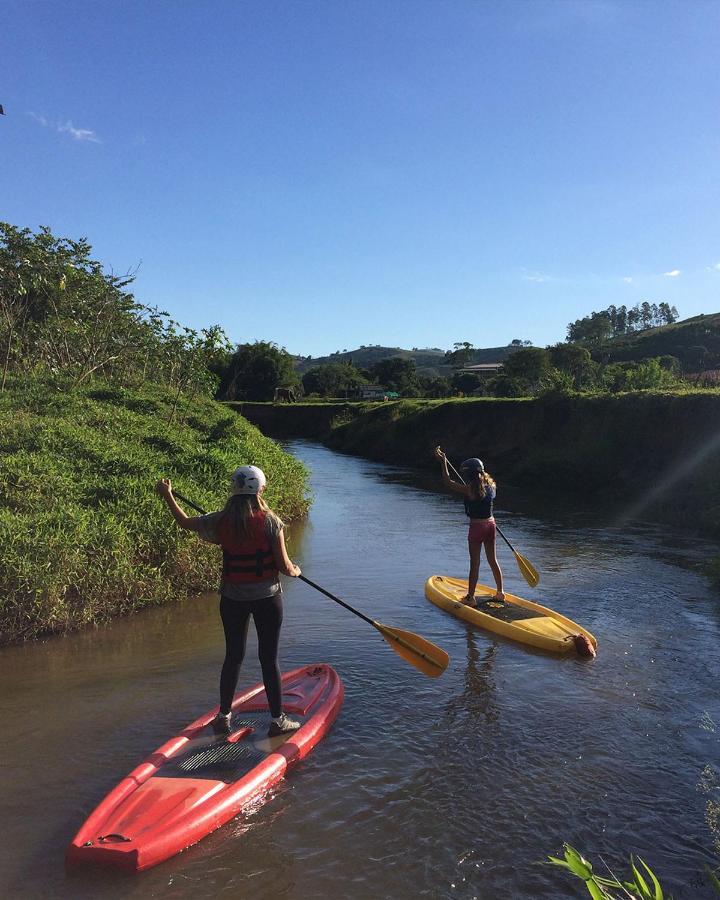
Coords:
660,453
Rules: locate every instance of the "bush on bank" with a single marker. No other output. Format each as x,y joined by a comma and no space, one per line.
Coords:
83,535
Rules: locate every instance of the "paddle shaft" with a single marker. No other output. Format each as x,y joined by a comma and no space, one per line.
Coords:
302,577
341,602
189,503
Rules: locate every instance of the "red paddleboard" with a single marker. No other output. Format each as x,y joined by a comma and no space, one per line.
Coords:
197,781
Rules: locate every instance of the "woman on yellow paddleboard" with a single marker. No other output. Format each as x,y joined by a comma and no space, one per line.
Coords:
479,493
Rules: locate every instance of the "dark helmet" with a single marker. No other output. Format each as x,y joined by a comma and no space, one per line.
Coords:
472,466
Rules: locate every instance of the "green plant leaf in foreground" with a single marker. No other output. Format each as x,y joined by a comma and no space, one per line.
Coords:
610,888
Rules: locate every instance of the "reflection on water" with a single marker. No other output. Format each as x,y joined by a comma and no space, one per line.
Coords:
449,787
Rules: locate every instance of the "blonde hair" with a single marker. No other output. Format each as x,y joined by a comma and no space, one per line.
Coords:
479,484
239,511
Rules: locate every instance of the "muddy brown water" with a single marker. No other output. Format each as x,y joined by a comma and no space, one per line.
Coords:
449,787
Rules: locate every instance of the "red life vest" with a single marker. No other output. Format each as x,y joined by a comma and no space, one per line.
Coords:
249,560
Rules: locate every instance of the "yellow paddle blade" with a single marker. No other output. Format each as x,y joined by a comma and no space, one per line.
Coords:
427,657
527,570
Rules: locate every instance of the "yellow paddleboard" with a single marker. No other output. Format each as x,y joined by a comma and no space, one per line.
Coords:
518,619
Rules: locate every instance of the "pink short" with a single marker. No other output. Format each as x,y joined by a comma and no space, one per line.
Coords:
481,531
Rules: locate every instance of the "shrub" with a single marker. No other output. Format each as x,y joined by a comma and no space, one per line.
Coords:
556,383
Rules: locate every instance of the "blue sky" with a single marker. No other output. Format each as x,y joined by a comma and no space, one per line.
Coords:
331,173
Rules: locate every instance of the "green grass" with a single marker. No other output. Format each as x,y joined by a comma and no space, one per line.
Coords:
84,536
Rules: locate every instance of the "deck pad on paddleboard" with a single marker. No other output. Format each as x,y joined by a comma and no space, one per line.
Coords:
506,612
226,758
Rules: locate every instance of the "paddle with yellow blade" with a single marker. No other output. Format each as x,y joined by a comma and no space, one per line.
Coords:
527,569
427,657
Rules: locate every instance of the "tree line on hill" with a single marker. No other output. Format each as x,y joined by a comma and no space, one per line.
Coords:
615,320
255,370
62,315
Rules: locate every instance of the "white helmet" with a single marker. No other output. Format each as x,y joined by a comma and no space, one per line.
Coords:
247,480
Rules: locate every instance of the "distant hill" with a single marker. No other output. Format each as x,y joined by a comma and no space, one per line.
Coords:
686,340
695,342
430,361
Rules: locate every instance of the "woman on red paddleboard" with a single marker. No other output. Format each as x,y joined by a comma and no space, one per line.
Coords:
479,493
254,553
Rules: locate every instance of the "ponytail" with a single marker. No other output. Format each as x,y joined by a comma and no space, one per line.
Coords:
480,483
239,511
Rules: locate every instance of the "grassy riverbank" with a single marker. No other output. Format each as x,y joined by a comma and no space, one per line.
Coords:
84,536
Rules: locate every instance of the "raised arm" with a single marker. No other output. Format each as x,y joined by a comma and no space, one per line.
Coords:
190,523
447,480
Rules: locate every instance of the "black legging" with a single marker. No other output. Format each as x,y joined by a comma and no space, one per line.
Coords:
268,616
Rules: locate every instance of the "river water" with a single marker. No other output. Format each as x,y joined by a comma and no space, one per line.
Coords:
449,787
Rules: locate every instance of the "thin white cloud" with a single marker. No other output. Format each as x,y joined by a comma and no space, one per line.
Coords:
628,279
41,120
537,277
715,268
672,274
79,134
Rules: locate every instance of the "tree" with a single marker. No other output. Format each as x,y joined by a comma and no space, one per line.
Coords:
648,374
435,387
62,314
465,382
504,385
668,314
397,374
332,380
461,354
555,383
594,329
618,318
573,359
528,364
622,320
255,370
191,356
